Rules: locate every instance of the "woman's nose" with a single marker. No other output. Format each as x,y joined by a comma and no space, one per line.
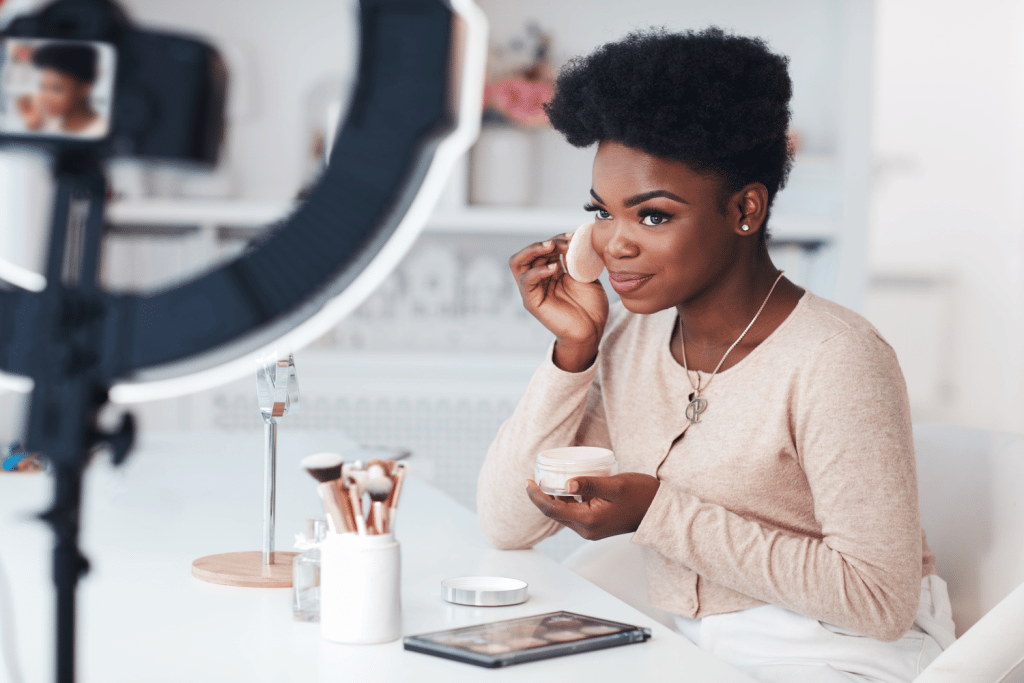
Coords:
620,244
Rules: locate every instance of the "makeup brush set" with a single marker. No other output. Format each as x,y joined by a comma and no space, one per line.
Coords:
360,576
358,498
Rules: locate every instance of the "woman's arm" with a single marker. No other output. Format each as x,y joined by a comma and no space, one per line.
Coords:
558,409
562,405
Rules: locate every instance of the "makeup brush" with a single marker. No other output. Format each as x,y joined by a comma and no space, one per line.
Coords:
398,477
378,486
357,504
326,468
355,471
385,465
341,492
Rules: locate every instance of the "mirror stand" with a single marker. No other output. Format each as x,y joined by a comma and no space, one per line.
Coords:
278,389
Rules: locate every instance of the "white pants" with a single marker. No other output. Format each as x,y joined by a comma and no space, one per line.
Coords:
774,645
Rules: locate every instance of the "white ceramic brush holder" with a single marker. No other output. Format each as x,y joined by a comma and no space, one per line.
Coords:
360,589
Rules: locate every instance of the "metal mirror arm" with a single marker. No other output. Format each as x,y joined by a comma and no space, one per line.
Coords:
61,334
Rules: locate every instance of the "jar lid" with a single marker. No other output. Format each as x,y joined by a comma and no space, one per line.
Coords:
576,455
484,591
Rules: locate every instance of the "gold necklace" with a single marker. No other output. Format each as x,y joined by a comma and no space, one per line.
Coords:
698,404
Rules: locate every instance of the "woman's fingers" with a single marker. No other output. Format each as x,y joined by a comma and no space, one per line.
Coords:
530,256
525,258
612,505
534,276
574,312
552,507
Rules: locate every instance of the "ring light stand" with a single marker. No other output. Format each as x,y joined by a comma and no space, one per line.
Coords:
415,110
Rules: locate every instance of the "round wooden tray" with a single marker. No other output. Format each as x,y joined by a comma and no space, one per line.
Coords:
245,569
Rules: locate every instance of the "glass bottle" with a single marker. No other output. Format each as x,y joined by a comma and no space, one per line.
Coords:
306,574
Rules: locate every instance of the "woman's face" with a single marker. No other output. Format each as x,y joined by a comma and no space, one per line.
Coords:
660,228
60,93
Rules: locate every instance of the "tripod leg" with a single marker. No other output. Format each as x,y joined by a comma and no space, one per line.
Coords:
70,384
68,562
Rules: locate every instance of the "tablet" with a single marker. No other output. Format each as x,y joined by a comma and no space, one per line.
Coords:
528,639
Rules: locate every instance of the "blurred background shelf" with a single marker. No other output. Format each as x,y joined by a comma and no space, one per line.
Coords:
141,217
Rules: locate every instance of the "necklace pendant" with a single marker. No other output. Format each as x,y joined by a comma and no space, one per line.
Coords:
694,408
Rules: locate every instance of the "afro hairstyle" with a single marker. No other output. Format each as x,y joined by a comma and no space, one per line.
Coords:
77,61
715,101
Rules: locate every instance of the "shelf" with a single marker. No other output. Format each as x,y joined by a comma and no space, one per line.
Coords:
477,220
256,215
798,228
192,212
498,220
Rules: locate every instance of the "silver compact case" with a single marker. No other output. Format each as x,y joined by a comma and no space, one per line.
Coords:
484,591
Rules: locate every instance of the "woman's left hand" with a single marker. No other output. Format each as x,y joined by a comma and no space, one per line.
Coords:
611,505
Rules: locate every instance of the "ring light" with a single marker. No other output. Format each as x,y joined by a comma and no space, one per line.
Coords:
391,158
414,111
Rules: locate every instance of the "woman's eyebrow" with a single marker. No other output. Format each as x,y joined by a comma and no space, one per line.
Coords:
643,197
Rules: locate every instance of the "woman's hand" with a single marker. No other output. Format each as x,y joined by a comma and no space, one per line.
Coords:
31,112
575,312
611,505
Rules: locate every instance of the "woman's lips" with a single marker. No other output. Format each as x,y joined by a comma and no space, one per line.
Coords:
627,282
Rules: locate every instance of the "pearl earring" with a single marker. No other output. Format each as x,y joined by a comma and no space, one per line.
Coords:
746,228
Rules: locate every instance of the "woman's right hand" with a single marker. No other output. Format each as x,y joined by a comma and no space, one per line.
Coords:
575,312
31,112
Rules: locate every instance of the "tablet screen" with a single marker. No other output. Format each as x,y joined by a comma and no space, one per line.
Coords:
526,639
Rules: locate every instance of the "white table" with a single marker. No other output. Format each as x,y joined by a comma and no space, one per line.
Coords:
143,618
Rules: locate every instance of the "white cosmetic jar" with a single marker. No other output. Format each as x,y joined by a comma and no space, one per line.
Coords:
556,466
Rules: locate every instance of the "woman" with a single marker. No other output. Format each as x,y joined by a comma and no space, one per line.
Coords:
63,104
763,433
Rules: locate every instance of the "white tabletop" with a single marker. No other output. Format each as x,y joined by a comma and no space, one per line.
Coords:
143,617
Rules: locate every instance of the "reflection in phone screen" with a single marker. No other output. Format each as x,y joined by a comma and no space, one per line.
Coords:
58,88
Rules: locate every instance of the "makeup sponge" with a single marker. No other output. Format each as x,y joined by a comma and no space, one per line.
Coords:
582,262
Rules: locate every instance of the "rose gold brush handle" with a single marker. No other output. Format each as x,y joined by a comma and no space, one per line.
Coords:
379,517
357,504
345,504
396,491
333,507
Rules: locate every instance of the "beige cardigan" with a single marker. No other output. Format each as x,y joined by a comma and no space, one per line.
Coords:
798,487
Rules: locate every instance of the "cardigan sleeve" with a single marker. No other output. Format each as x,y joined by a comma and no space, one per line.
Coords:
558,409
852,434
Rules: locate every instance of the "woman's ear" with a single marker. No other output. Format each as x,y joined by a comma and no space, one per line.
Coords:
750,207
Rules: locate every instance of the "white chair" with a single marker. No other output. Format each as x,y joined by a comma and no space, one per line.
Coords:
972,509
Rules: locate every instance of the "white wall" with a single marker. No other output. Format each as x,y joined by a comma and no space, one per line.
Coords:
948,120
792,27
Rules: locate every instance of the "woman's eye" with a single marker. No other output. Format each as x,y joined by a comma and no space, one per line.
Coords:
601,213
654,219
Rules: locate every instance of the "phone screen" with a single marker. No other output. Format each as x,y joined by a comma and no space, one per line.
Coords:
56,88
